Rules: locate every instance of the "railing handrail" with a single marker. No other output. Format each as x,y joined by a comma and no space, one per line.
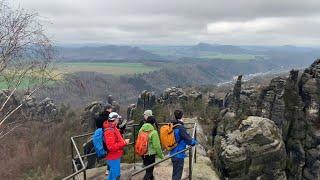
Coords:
162,160
169,157
133,174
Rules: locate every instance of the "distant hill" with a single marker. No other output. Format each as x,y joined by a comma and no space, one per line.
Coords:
103,53
277,55
226,49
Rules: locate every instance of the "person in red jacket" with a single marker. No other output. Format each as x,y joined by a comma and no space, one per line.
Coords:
115,144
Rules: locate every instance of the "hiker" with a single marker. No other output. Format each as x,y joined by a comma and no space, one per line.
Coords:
153,146
103,116
146,114
182,138
115,144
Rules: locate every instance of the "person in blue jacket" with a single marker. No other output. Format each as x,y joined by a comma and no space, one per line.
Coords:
183,139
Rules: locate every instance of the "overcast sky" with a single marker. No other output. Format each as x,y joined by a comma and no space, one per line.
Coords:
263,22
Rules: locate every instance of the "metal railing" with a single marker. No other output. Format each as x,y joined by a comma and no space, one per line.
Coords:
76,172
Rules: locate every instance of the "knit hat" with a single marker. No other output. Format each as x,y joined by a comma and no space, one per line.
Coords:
107,106
148,113
113,116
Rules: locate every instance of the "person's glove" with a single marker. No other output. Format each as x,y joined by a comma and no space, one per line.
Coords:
194,142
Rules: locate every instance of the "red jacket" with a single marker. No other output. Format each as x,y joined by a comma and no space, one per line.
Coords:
114,141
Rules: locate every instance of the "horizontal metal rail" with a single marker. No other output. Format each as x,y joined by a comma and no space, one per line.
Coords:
80,157
169,157
162,160
129,126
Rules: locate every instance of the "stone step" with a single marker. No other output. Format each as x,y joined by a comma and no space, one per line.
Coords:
202,170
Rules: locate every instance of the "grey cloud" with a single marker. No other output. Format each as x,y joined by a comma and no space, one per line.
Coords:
178,21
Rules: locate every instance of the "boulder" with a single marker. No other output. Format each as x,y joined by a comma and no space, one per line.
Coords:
254,150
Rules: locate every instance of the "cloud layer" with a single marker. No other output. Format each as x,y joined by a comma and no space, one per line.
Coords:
270,22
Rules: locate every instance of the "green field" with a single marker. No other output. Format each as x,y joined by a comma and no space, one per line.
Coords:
240,57
106,68
184,52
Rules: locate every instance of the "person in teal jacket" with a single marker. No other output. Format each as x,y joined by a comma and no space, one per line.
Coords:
154,147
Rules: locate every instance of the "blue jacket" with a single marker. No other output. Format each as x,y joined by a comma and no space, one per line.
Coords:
182,138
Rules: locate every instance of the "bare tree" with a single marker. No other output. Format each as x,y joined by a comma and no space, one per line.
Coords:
25,57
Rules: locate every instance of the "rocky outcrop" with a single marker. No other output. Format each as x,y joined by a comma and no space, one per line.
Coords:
255,150
130,111
215,101
176,95
172,95
45,110
293,104
271,101
242,100
146,100
91,112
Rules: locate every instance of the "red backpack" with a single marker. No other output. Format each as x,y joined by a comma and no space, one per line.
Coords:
141,146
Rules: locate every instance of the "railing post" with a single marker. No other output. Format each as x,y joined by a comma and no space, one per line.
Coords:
134,142
195,148
84,175
190,164
72,156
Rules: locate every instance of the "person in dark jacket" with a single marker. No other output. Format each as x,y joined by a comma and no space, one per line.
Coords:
146,114
183,139
103,116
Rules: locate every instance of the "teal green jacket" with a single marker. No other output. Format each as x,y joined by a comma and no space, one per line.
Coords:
154,146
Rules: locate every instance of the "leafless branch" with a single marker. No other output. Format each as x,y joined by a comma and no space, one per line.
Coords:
18,107
25,53
3,135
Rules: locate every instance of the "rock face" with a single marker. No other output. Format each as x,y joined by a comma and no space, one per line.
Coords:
130,111
254,150
242,100
172,95
146,100
91,112
293,104
214,101
176,95
45,110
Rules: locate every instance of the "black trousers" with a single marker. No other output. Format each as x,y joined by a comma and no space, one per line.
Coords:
147,160
177,164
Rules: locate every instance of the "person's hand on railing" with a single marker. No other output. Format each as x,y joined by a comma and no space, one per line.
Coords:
194,142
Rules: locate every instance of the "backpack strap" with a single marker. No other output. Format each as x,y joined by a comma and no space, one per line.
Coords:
176,125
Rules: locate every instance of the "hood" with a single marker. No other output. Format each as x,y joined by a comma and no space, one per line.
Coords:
147,127
175,121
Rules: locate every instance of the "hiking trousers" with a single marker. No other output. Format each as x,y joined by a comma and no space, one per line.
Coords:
177,164
114,172
147,160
